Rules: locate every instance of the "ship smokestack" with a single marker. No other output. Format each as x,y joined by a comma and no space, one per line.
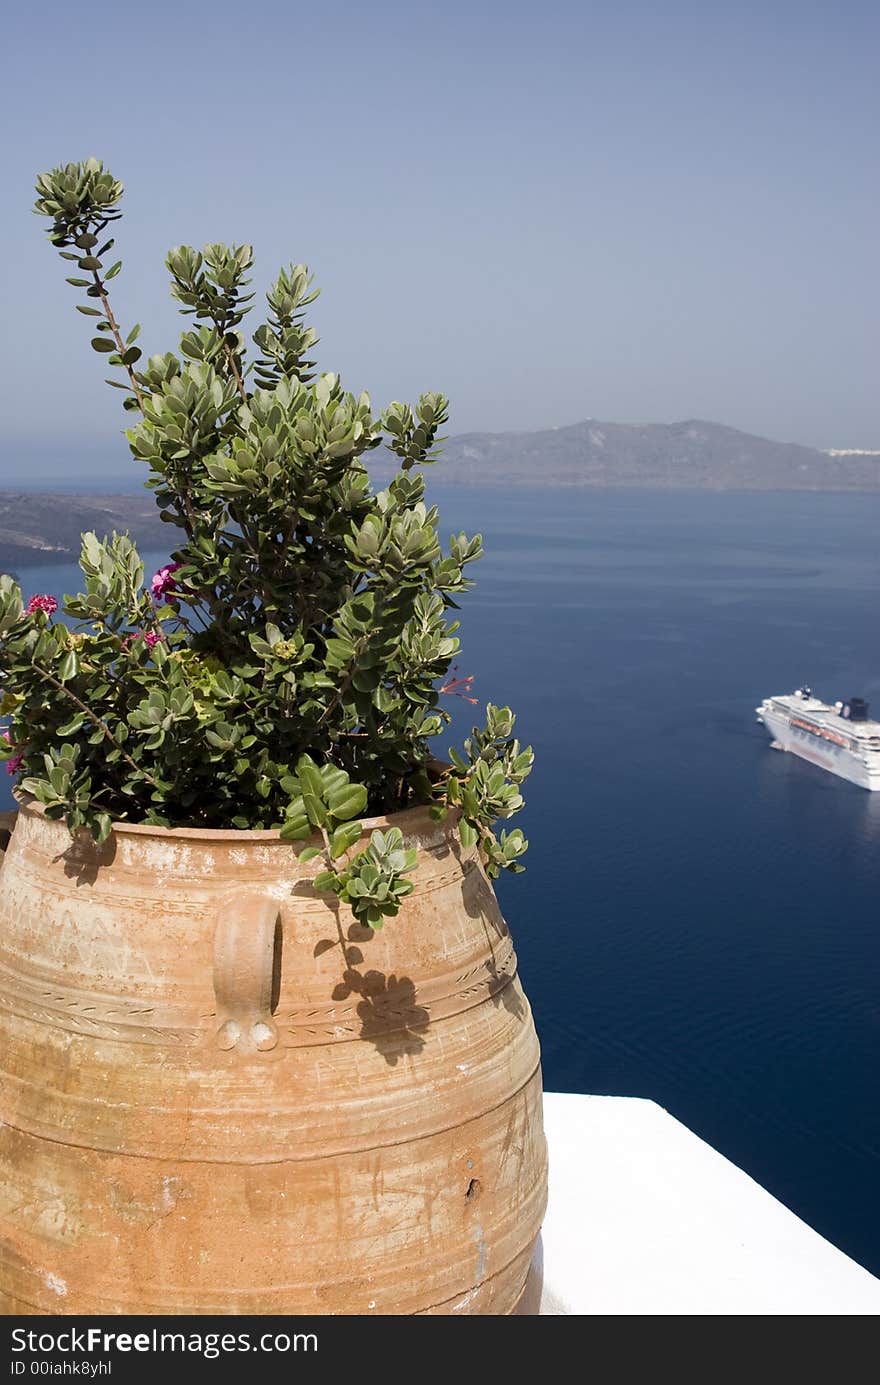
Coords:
856,709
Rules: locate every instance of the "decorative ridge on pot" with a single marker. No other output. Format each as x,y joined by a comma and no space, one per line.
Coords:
406,819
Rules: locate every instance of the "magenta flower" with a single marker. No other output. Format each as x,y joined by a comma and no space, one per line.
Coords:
162,582
15,762
150,638
42,603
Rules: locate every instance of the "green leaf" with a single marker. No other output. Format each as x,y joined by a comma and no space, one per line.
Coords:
71,727
58,780
332,778
325,881
317,813
103,344
68,666
344,837
468,834
105,826
310,777
347,803
309,854
295,829
339,652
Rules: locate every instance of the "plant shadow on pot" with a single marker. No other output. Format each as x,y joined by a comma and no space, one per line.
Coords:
501,993
495,929
505,995
389,1015
84,858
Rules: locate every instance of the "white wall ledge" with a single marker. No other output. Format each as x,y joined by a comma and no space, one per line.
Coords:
646,1219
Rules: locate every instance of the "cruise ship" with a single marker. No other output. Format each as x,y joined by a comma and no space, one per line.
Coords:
840,738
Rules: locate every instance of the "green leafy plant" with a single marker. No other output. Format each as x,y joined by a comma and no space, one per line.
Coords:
285,668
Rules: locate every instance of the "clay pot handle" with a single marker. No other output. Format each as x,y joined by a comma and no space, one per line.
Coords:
246,954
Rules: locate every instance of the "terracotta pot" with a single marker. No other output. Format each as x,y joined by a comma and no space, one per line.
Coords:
220,1095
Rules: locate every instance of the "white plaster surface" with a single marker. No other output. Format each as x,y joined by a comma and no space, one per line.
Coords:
645,1218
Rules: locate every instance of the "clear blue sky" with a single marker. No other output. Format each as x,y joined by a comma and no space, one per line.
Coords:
550,211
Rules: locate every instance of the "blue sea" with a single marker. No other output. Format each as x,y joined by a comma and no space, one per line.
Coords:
700,918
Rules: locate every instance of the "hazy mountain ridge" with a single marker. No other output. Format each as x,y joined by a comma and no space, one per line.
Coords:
46,528
694,455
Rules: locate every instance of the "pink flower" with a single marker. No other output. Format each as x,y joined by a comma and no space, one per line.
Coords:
162,582
459,687
15,762
42,603
150,638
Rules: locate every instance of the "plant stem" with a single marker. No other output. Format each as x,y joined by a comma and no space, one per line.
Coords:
328,858
219,328
235,371
117,336
62,688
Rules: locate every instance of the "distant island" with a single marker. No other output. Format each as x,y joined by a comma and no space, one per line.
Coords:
692,455
37,528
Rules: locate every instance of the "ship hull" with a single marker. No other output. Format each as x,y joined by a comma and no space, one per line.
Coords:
834,758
